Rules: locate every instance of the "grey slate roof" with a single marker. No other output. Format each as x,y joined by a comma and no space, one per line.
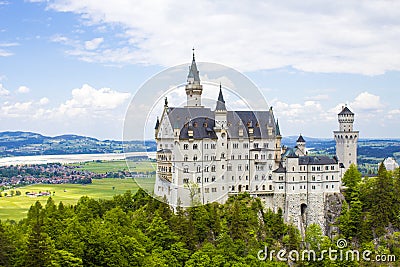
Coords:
346,111
202,128
220,101
193,72
300,139
278,130
236,120
316,160
280,169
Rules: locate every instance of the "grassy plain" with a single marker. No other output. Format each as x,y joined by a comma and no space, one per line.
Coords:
16,207
116,165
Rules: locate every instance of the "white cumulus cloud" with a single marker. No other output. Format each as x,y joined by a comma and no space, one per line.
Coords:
319,36
93,44
23,89
3,91
367,102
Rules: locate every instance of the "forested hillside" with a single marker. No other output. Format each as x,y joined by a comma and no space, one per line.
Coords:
137,230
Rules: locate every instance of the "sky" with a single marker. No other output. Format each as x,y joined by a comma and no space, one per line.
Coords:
74,66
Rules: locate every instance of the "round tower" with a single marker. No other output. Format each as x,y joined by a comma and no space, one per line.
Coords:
346,138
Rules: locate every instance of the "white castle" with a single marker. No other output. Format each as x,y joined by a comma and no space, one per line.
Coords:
206,155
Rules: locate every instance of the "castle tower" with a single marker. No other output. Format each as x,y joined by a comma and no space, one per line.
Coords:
193,87
301,146
346,139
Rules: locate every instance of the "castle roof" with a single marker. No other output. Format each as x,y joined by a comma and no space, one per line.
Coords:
290,153
316,160
220,101
193,72
280,169
300,139
346,111
277,129
236,120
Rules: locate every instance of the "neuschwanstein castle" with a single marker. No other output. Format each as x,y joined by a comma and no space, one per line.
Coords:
207,154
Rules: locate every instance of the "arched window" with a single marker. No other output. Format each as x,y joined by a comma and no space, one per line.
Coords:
185,158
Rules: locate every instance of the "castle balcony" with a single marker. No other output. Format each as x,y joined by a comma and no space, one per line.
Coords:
164,155
260,161
165,175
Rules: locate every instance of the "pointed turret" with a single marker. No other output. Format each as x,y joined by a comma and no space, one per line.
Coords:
220,101
193,87
277,129
193,76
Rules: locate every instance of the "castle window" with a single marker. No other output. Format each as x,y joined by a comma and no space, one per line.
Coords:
206,169
233,178
293,169
246,156
206,157
186,146
185,169
263,187
206,179
206,190
293,179
255,145
256,156
333,177
313,187
270,187
213,157
223,166
269,156
229,167
247,178
265,145
270,177
256,177
213,168
326,168
293,188
235,145
222,177
280,178
313,178
263,177
185,158
247,187
233,188
245,145
247,167
195,157
212,146
185,180
232,157
194,146
240,156
313,168
223,188
199,168
239,167
333,186
327,178
326,186
205,146
222,155
256,187
213,179
198,179
214,189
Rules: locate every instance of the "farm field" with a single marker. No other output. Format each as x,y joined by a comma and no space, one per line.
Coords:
116,165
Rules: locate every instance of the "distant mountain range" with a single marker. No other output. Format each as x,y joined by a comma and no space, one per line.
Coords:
28,143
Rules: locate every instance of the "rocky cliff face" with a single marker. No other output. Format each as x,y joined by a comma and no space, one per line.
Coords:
333,208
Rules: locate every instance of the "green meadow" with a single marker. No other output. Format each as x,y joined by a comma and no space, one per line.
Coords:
16,207
116,165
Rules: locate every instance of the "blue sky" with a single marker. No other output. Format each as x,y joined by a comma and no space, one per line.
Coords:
73,66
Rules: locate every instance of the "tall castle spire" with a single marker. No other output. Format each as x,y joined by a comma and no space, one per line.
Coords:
220,101
193,87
